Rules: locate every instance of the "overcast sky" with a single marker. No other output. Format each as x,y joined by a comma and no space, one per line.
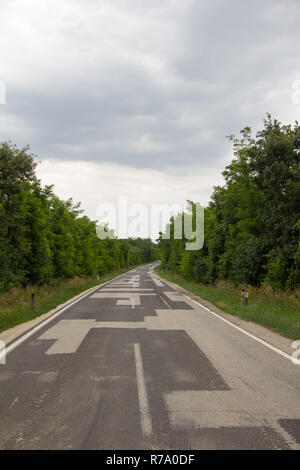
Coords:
135,97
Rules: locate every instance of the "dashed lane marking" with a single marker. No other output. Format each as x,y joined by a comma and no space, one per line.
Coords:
145,415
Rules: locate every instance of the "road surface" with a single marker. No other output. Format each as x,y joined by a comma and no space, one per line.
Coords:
136,365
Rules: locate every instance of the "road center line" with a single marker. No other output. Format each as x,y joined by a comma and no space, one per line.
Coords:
161,297
145,416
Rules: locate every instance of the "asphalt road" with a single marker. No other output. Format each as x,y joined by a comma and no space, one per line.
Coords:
136,365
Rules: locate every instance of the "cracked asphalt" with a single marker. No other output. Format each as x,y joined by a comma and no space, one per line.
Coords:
137,365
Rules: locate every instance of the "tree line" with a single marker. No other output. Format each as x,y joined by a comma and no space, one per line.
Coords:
252,223
44,238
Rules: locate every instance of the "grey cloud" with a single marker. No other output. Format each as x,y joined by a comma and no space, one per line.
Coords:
216,72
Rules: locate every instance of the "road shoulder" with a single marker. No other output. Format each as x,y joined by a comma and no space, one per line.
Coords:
275,339
15,332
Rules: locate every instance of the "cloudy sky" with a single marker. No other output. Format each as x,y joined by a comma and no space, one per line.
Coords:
135,97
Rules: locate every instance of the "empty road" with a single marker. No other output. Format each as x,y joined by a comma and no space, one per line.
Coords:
137,365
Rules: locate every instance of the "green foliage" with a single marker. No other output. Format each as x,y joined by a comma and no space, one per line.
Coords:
252,222
43,238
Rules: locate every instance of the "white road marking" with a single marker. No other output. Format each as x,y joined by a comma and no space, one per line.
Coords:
165,302
239,406
145,415
14,402
41,325
261,341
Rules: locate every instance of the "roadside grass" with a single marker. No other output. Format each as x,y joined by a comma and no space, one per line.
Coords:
15,305
277,310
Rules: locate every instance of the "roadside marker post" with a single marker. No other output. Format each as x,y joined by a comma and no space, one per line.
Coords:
244,298
32,301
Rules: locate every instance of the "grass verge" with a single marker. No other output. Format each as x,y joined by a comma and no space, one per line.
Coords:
277,310
15,305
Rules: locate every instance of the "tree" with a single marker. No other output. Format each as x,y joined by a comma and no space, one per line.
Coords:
252,222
